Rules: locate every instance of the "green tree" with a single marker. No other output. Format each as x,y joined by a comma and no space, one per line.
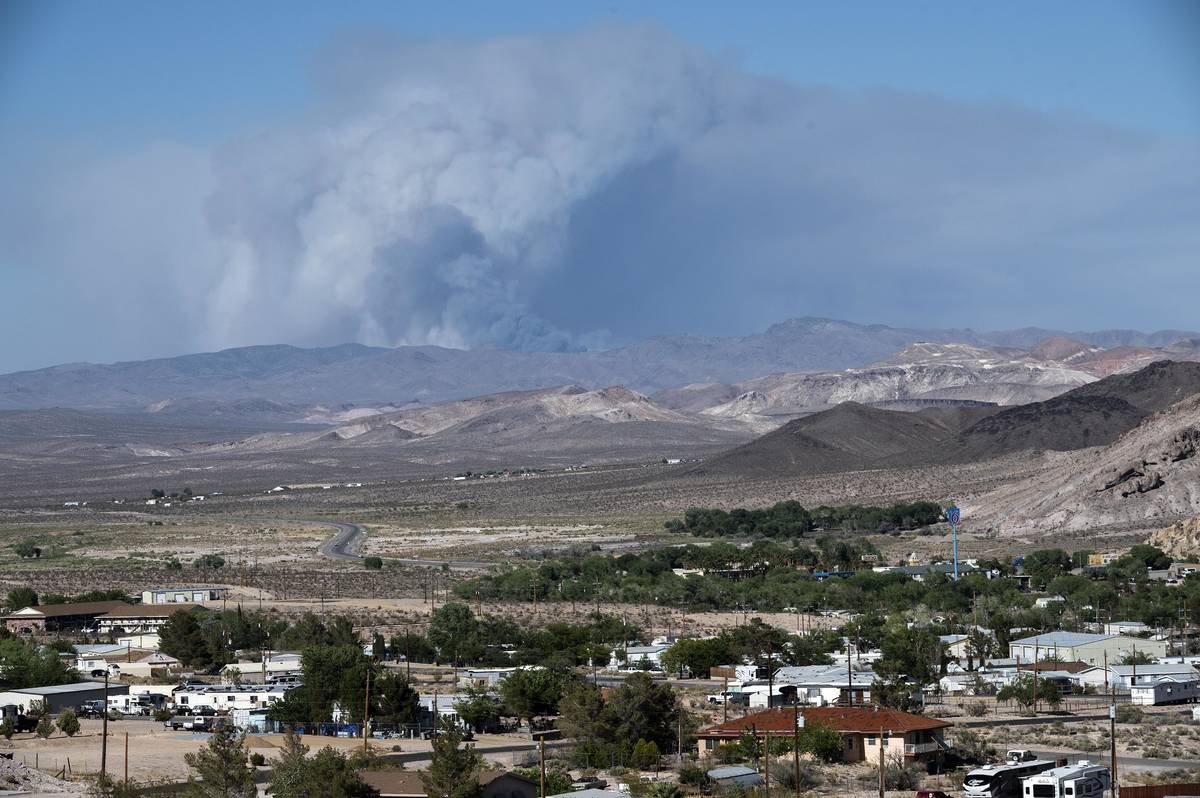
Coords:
558,781
373,563
1045,564
290,774
645,755
393,699
7,727
529,692
642,709
696,657
45,726
1150,556
916,654
479,709
453,767
28,665
27,550
664,789
1135,657
21,597
822,741
68,724
182,638
1022,690
332,675
581,712
454,633
221,767
329,774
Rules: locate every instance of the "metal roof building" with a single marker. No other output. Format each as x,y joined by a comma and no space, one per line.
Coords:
60,696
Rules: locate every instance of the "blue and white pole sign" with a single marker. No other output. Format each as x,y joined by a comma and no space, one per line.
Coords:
954,515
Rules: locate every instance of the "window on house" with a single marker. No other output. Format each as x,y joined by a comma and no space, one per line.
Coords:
871,741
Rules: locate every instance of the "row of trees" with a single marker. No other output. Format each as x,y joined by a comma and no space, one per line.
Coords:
789,519
25,596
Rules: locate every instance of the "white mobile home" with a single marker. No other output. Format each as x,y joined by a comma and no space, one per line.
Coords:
1166,690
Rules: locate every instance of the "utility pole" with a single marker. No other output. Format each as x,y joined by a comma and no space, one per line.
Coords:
725,698
882,743
542,766
767,763
679,738
797,722
849,675
104,730
126,758
1112,739
770,673
366,709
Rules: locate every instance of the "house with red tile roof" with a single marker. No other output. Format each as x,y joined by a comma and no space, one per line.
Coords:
904,735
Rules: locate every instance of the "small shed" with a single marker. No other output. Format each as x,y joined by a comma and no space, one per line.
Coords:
735,776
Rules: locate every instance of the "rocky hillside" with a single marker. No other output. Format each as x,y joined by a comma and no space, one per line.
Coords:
1181,540
1148,478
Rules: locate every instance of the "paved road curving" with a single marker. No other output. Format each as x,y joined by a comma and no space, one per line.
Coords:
345,542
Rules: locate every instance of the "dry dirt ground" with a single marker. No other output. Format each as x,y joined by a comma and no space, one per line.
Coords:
269,540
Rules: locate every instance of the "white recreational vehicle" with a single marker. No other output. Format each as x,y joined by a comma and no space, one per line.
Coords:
1003,780
1081,780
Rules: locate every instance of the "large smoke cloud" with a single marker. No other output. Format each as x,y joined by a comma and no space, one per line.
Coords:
531,191
423,203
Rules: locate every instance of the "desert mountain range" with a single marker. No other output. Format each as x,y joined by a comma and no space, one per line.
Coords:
1106,424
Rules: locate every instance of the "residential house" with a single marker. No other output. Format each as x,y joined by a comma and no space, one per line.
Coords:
812,685
153,665
1045,601
1082,647
1123,677
907,736
956,645
1166,690
79,617
634,656
1133,628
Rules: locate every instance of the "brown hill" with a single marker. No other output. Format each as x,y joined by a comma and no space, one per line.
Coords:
1090,415
848,437
852,436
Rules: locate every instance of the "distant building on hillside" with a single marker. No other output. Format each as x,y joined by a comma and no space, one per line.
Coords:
184,595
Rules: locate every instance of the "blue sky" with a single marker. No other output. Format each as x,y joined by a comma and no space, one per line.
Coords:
203,70
157,148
